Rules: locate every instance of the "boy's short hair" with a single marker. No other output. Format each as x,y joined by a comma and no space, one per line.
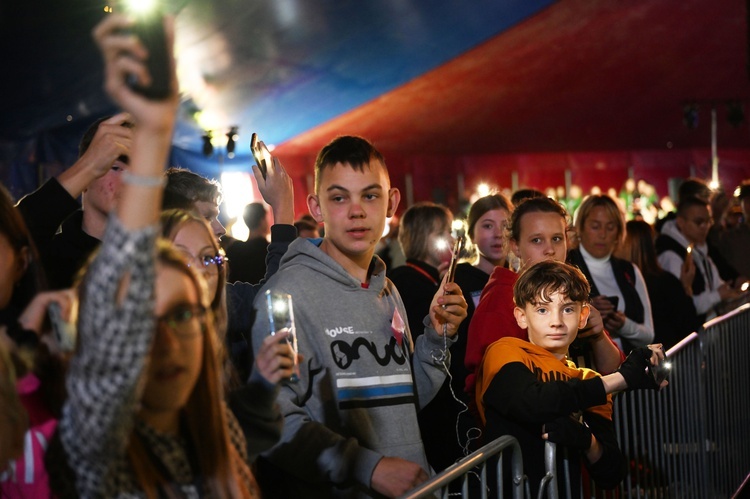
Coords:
693,187
184,188
541,280
355,151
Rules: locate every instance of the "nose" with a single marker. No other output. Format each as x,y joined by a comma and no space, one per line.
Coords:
165,339
356,211
556,319
218,228
549,250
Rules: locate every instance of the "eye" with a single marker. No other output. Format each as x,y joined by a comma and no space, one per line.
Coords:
557,239
371,196
116,168
541,310
568,310
536,240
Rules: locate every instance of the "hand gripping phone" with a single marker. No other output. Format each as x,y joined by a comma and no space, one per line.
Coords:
457,247
261,154
64,332
149,28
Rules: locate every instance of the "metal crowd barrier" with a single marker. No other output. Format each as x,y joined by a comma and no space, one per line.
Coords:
690,440
466,468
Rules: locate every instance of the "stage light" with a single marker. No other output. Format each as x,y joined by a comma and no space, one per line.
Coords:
690,116
208,147
735,113
483,190
232,137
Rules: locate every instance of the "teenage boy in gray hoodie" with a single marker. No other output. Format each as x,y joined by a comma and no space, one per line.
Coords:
350,422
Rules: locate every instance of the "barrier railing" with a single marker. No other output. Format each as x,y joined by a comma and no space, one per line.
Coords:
467,467
691,439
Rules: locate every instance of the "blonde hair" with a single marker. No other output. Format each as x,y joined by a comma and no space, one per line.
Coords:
609,205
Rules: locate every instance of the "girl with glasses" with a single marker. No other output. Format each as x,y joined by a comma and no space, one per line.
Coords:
145,415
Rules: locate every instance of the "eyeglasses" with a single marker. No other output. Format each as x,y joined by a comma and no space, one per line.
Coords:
186,320
210,264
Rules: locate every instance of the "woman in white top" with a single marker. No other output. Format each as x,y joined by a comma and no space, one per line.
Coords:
618,289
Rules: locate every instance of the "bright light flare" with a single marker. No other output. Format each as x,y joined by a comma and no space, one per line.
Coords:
140,7
237,188
279,305
714,184
667,365
442,244
745,286
483,190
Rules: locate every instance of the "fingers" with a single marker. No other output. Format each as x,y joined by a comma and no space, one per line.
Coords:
275,359
658,354
118,120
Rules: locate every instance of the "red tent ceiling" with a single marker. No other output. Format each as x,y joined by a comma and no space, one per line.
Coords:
582,75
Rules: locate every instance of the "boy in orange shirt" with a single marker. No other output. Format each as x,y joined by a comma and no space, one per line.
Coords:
532,391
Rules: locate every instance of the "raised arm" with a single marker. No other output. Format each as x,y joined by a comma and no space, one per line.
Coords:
116,322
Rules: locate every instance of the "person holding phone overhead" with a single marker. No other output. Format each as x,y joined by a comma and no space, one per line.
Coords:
145,414
618,289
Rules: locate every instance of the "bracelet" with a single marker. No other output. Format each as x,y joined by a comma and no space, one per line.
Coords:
144,180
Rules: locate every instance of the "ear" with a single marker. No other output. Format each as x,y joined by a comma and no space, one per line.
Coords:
520,315
585,311
394,197
513,246
22,263
313,205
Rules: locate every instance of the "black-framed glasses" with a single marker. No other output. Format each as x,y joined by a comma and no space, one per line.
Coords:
186,320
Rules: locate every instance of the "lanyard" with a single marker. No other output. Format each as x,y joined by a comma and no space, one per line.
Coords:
423,272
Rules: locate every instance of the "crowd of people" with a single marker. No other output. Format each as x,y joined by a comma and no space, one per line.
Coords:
135,361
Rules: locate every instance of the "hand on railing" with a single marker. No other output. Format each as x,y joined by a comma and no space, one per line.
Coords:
568,432
394,476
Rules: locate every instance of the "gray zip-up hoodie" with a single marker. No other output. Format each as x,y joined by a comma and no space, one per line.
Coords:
359,389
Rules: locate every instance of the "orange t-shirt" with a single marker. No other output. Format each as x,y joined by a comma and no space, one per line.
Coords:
539,361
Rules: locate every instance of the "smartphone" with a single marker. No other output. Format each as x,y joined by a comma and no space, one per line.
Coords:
64,332
260,153
281,316
149,28
660,371
457,246
614,300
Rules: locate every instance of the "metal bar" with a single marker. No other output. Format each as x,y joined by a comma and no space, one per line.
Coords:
468,464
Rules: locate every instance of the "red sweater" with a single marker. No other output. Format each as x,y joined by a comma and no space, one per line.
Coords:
493,319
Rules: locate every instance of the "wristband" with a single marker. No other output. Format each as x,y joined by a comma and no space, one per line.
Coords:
144,180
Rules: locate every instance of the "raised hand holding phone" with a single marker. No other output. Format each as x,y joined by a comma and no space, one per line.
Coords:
274,183
261,154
